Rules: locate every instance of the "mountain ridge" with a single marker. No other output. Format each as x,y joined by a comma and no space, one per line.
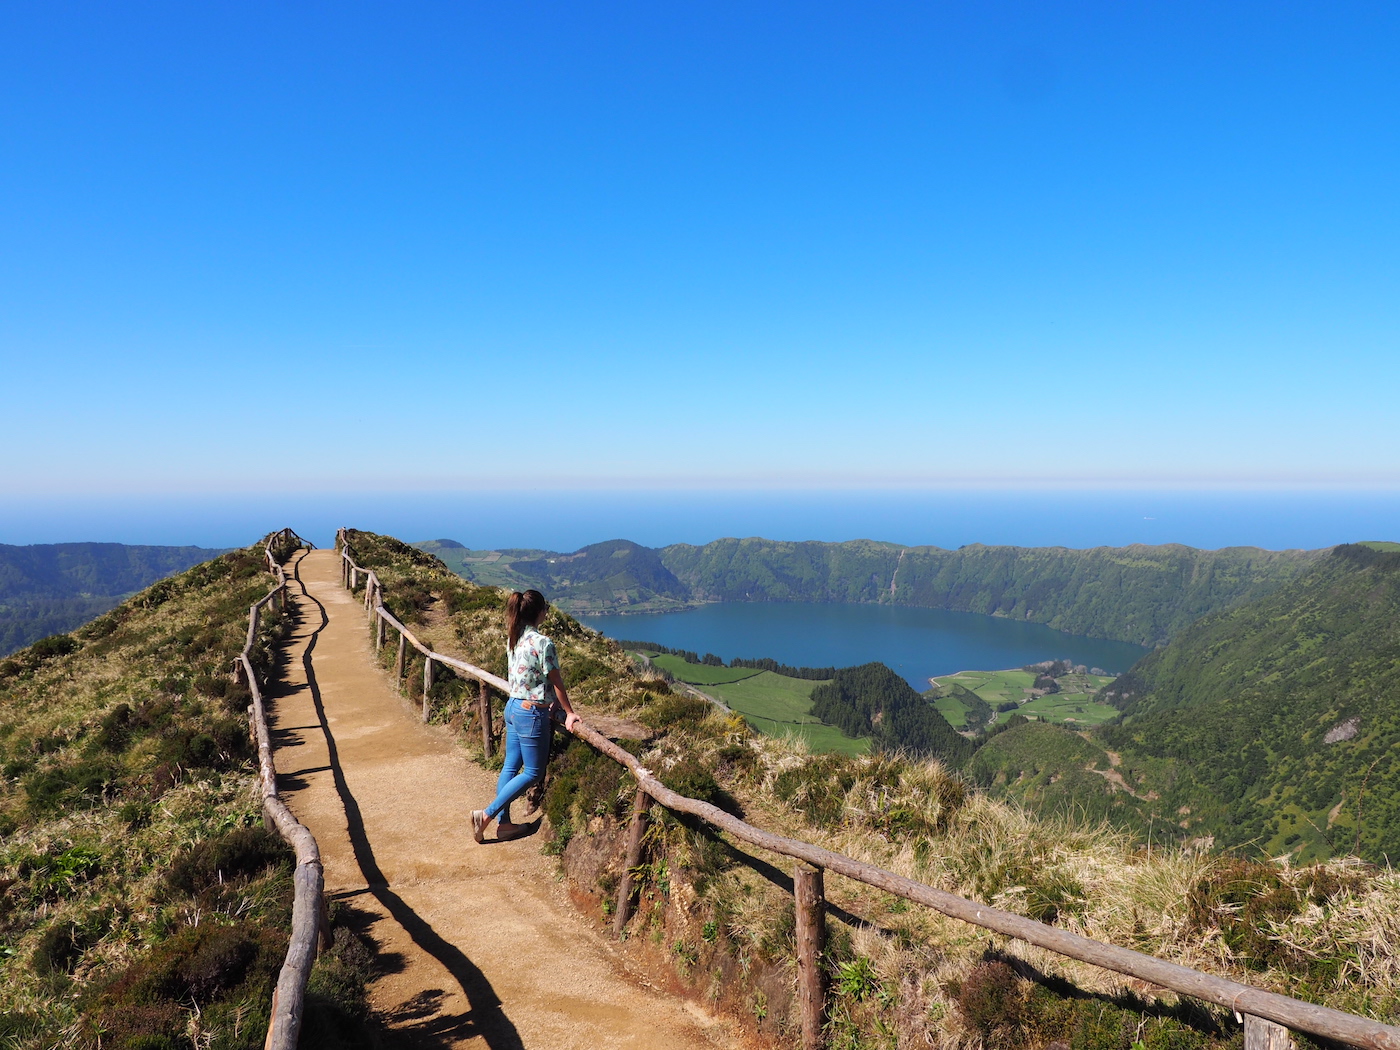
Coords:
51,588
1139,593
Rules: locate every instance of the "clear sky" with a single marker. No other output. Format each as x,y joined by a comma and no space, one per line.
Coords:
433,246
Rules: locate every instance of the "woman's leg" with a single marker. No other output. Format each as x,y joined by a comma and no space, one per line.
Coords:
530,740
510,768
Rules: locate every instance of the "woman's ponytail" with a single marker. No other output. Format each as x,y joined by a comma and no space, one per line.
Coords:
523,609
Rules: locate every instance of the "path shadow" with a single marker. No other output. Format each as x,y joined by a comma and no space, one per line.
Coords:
486,1019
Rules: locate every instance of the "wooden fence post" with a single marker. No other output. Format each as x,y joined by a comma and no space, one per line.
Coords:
427,683
810,894
483,712
378,633
1261,1034
623,910
398,664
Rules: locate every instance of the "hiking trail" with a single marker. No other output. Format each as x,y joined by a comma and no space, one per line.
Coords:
478,945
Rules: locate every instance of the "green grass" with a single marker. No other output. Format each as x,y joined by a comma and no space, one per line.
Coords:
1068,708
702,674
779,706
995,687
953,709
772,703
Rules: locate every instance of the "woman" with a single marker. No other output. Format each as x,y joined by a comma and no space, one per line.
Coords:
535,685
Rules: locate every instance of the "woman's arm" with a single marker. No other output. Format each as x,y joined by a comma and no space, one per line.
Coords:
562,695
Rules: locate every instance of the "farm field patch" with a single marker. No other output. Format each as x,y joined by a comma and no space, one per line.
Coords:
774,704
1073,705
702,674
778,706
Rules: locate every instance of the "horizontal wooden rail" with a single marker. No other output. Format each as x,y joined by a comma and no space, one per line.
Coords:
289,996
1259,1007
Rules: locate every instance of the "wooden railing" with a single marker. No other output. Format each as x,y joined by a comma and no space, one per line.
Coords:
1267,1016
308,927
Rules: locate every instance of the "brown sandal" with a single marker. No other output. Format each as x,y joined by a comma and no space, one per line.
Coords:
479,822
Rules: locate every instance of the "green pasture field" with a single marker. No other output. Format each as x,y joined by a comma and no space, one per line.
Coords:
702,674
1074,705
995,687
1067,709
778,706
953,709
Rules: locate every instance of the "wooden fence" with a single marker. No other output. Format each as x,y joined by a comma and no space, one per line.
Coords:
1268,1017
308,904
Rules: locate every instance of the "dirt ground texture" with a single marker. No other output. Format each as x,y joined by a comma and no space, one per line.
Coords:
479,945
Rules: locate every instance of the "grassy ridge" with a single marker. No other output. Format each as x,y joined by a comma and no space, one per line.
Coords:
141,902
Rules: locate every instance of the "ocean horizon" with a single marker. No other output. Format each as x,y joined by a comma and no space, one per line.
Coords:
567,520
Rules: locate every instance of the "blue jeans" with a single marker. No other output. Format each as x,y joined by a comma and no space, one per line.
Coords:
527,750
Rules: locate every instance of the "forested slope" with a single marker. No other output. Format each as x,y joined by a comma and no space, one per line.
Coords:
50,588
1284,714
1272,727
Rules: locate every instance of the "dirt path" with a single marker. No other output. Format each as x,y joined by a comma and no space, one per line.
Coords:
479,946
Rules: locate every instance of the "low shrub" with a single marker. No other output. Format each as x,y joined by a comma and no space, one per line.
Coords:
675,711
817,788
237,855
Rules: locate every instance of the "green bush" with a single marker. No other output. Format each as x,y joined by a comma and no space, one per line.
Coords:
240,854
817,788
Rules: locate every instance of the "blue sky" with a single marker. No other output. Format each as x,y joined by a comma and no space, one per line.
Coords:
694,246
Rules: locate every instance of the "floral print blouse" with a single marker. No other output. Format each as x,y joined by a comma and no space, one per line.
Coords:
530,664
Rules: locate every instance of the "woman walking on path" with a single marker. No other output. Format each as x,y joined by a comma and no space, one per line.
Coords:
535,685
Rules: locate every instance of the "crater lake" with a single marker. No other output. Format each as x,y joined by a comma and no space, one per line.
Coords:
917,643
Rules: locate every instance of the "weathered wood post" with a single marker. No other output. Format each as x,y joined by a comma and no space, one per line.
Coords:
378,632
427,683
1261,1034
623,910
810,893
483,712
398,664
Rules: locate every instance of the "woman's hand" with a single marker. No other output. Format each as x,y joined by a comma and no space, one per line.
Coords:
571,720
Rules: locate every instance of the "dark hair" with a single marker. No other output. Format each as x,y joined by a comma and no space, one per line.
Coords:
523,609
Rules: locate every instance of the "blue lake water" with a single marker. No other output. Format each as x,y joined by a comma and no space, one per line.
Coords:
918,643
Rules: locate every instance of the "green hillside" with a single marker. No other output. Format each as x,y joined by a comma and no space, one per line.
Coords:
138,887
1270,727
611,576
1062,773
1283,715
872,700
50,588
1137,594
